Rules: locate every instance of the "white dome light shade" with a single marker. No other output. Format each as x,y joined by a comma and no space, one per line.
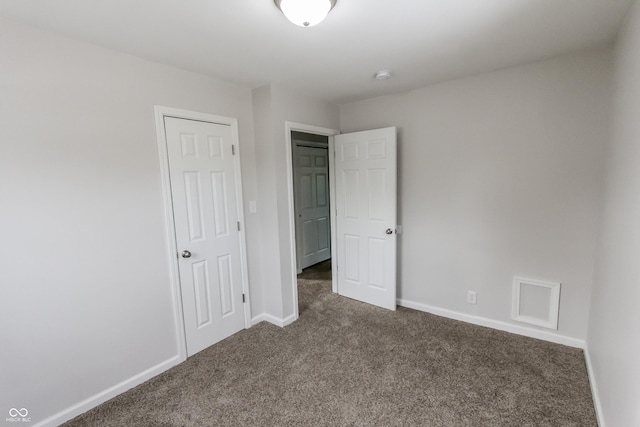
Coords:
305,13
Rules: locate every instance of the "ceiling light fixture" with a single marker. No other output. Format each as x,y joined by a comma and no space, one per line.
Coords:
305,13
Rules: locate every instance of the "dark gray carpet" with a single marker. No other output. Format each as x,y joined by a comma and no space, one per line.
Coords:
348,363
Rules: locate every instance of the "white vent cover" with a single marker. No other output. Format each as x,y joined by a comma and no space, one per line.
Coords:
535,302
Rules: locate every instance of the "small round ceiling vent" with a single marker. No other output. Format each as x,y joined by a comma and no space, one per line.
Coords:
383,75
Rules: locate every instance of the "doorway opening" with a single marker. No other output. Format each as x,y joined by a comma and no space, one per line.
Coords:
311,200
362,201
311,194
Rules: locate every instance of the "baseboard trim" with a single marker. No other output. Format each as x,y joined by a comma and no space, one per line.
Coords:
264,317
594,387
289,320
495,324
111,392
259,318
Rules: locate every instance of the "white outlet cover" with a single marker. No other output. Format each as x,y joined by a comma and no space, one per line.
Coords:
472,297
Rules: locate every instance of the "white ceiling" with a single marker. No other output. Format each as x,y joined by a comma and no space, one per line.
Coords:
251,43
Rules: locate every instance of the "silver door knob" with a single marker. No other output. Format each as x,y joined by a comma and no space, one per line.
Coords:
186,254
389,231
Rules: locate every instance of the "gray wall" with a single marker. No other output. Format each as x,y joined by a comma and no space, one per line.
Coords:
614,324
85,291
499,175
273,106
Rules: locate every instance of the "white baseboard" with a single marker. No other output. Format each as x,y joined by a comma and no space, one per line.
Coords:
257,319
495,324
264,317
289,320
111,392
594,388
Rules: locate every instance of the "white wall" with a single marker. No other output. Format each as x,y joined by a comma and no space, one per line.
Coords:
499,175
86,298
273,106
613,341
267,206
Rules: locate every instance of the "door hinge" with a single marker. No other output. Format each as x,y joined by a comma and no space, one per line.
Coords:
233,150
238,225
243,298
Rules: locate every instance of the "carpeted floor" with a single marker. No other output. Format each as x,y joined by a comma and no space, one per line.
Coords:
348,363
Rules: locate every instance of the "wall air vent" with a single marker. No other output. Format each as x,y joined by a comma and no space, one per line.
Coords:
536,302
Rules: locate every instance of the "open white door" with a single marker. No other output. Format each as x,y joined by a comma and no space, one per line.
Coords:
205,193
365,171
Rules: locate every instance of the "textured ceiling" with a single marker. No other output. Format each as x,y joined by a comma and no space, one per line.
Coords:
250,42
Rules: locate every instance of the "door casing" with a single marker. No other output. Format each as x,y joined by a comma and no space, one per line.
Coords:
172,249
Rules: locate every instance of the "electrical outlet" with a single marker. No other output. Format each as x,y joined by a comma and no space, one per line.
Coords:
471,297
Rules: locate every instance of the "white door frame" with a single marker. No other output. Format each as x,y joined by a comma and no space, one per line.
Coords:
288,127
172,248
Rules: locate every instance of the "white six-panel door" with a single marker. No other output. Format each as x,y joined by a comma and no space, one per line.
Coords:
365,169
203,189
312,205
